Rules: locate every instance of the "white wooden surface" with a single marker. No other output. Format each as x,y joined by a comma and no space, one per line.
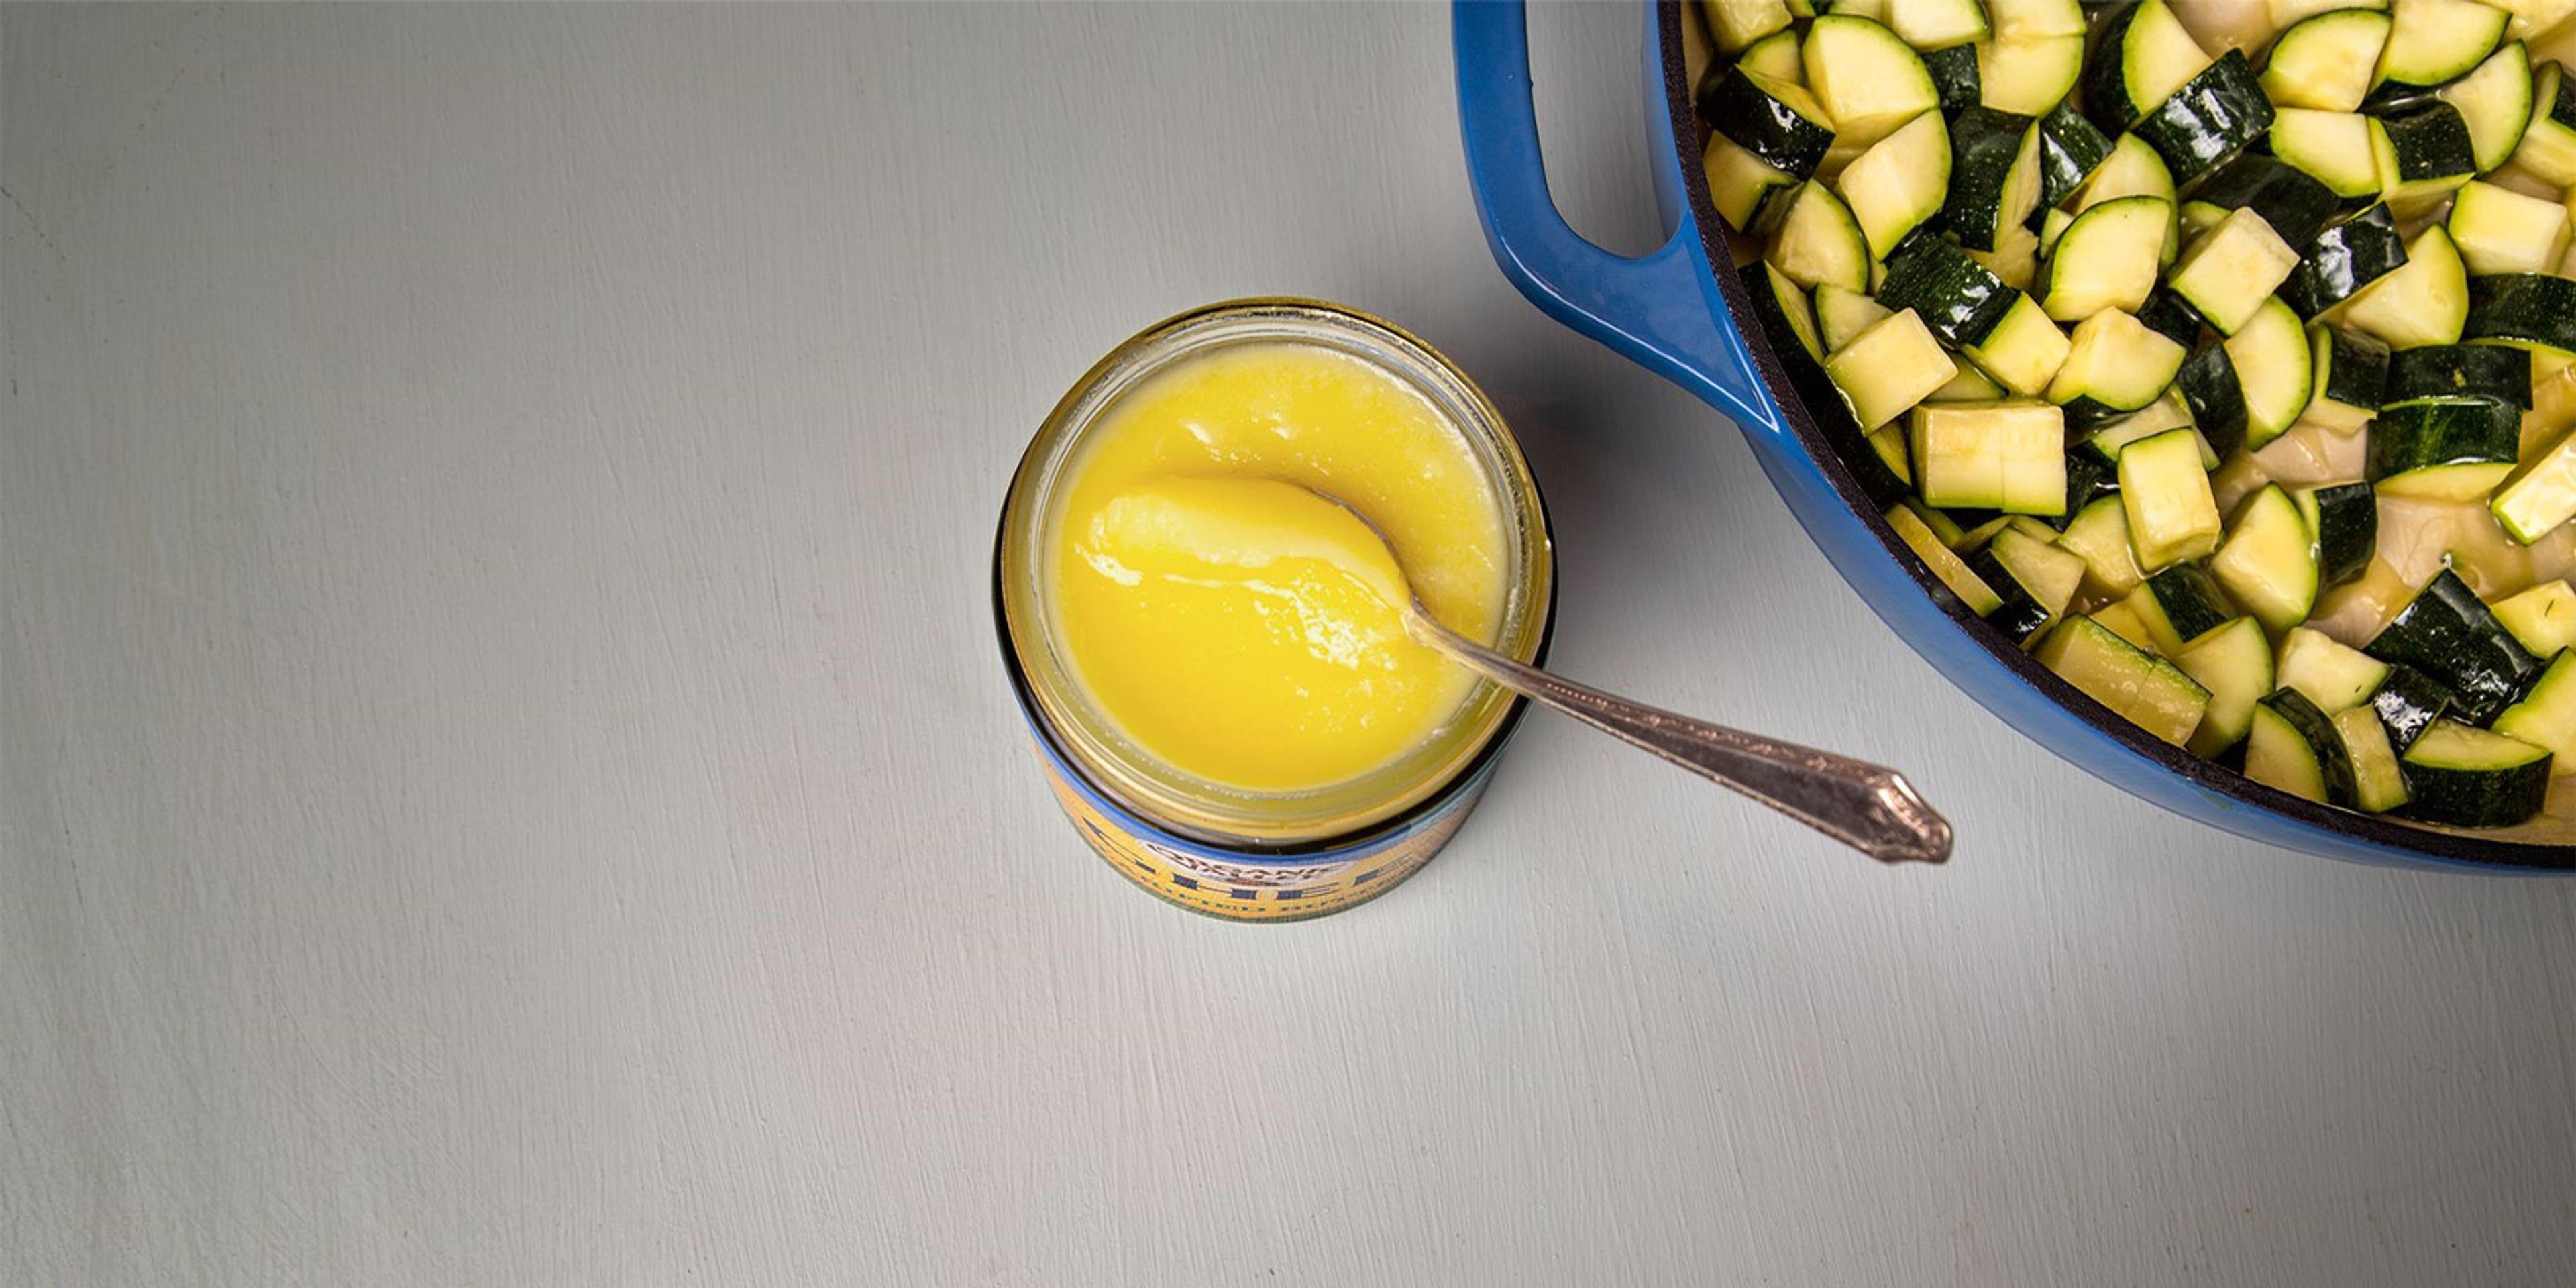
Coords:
507,779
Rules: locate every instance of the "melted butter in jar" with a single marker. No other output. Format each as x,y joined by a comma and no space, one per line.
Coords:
1236,625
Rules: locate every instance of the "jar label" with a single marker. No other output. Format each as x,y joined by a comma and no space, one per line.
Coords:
1254,887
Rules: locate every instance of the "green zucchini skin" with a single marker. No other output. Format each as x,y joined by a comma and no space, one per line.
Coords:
2317,729
2021,615
2343,259
1763,125
2470,796
2408,702
2347,531
1954,77
2089,478
2448,634
2085,413
2495,371
2356,370
2523,309
2431,142
1959,299
2211,119
1815,390
1983,145
2459,431
2393,98
2287,197
2102,86
2071,148
2172,317
2217,400
2192,599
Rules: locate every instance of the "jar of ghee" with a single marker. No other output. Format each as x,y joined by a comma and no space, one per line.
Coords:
1238,745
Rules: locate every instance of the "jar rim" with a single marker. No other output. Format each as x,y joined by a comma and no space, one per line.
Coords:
1195,806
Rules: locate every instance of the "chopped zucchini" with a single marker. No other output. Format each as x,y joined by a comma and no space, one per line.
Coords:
2499,230
2453,450
2033,578
2495,101
2204,124
2233,662
2293,746
2294,204
2540,493
2109,438
2143,54
2268,562
2548,146
2468,777
2272,362
2099,535
2344,260
2171,316
2181,604
1888,369
2429,154
2108,257
2546,716
2144,690
2449,634
1959,299
1946,566
2378,784
2447,371
2325,62
2433,42
2028,76
2007,456
1842,313
2172,515
2345,521
1954,77
2024,19
2337,149
2024,351
2347,373
2209,387
2071,148
2408,702
2535,311
1868,79
1818,243
2232,269
1776,120
1899,182
1734,24
1937,24
1994,175
2333,676
2541,617
2426,301
1775,56
2115,361
1739,182
1970,385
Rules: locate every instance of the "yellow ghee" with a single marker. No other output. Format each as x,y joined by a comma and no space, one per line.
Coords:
1237,626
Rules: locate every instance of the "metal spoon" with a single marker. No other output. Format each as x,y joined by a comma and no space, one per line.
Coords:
1870,808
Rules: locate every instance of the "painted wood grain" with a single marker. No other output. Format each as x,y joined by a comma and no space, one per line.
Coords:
504,777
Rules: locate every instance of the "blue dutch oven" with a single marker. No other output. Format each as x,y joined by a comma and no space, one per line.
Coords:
1675,313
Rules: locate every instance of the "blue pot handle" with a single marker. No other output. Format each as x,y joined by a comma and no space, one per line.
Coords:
1653,308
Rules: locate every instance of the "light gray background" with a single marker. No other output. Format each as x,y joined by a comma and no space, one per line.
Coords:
507,779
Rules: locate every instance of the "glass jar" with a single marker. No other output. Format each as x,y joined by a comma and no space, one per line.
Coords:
1205,845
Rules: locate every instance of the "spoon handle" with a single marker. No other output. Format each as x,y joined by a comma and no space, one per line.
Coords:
1868,807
